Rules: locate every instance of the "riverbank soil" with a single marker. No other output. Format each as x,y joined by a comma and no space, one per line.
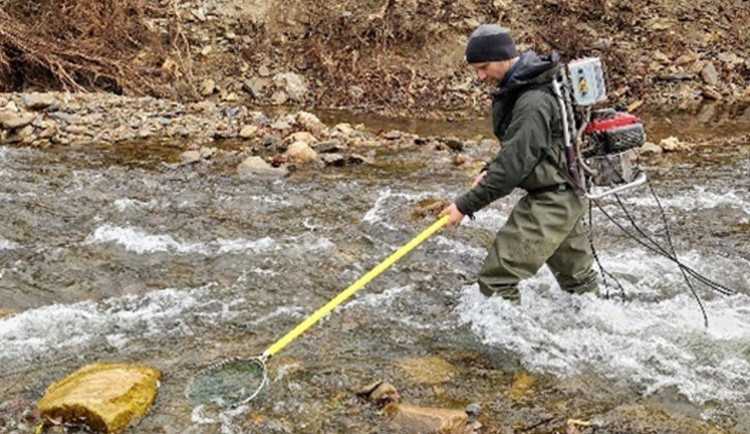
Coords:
399,57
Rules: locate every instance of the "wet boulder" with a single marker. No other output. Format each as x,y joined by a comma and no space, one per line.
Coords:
300,153
254,167
38,101
248,131
106,397
14,120
335,160
301,136
650,148
294,85
309,122
423,420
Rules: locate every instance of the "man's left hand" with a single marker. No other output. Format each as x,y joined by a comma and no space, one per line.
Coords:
455,215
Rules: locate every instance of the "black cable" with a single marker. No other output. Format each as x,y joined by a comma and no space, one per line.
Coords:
605,273
683,267
716,286
703,279
674,252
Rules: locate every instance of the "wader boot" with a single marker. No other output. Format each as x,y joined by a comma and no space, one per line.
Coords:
542,228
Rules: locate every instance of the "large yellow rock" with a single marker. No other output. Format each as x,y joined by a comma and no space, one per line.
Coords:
108,397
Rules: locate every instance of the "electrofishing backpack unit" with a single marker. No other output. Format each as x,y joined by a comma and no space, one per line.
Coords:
600,144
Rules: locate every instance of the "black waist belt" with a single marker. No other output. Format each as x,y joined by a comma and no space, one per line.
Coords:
550,188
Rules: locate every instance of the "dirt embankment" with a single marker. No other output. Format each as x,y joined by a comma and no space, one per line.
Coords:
393,56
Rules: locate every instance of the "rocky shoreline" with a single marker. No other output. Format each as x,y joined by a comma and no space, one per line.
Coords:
272,145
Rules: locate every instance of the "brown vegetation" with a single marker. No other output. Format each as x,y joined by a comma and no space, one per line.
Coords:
112,45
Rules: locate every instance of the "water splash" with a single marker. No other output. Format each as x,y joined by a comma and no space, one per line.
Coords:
7,244
65,328
138,241
651,343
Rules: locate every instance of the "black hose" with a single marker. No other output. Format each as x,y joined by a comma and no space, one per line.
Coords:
669,239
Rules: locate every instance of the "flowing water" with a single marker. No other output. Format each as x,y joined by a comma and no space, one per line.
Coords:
106,254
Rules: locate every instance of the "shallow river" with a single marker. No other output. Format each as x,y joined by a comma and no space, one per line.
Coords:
109,255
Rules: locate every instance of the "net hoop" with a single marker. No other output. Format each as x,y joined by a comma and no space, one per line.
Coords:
213,369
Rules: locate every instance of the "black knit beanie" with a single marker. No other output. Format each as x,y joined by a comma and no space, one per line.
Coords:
488,43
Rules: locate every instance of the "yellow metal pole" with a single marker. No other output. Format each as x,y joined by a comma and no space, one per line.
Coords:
356,286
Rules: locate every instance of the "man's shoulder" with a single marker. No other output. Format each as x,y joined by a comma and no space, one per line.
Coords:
535,96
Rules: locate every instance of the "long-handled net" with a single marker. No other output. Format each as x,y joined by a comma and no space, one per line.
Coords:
237,381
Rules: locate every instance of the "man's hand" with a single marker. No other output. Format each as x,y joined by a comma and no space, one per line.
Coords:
479,178
455,215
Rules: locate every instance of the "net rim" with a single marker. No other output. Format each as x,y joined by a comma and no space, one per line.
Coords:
260,361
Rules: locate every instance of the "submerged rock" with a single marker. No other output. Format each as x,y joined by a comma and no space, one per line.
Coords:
423,420
428,370
380,393
257,167
107,397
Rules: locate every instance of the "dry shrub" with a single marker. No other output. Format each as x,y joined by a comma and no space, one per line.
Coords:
112,45
383,52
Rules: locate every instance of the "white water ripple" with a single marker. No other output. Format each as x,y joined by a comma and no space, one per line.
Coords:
7,244
138,241
61,327
653,345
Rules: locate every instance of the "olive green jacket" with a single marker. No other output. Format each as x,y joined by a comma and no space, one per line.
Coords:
526,118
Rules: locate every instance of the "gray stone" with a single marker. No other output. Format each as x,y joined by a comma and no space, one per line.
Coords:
248,131
358,159
301,153
190,157
294,85
256,86
65,117
311,123
329,146
473,410
279,97
38,101
21,135
208,87
393,135
78,129
206,152
709,74
650,148
336,160
263,71
710,93
198,14
254,167
13,120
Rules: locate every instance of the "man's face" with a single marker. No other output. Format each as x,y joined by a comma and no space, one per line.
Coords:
491,73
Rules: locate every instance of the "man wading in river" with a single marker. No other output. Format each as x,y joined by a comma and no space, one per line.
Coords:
546,225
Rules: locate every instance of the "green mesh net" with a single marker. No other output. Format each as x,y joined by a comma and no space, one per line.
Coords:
229,383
